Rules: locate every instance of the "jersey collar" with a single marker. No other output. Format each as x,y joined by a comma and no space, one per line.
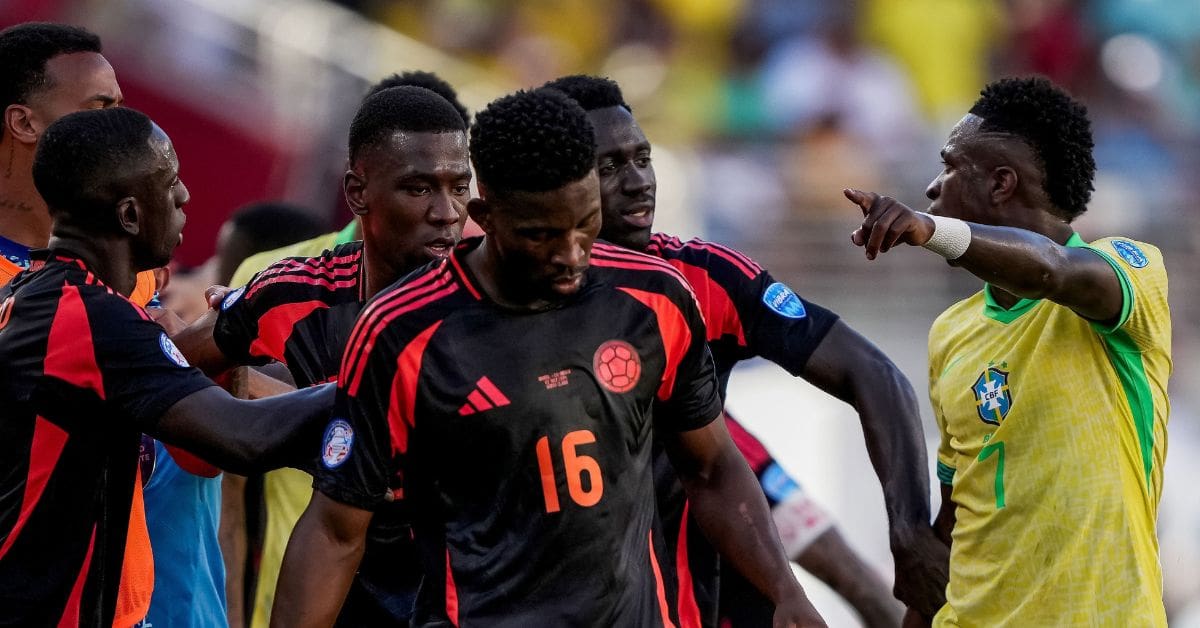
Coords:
458,265
994,311
14,252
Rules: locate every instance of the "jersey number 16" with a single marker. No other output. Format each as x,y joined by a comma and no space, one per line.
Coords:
576,466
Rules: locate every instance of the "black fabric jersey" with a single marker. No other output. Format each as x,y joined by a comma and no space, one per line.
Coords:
521,441
83,373
300,311
749,314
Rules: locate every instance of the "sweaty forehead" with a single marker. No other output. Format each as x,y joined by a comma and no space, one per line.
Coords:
420,152
164,157
963,133
615,129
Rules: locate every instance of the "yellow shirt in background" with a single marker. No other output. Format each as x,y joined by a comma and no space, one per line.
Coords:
1053,437
285,491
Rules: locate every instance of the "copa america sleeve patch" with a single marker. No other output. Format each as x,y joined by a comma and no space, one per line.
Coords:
335,447
1130,253
232,298
171,351
781,300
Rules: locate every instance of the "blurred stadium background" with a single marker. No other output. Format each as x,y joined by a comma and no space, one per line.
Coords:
760,111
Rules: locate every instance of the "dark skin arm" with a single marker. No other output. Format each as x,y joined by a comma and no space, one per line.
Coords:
247,436
851,368
1022,263
319,564
198,346
943,526
729,505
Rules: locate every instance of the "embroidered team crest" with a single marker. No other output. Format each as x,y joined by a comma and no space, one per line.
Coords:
339,438
993,399
617,366
1130,253
171,351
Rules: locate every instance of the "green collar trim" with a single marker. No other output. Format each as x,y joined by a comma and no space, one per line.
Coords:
347,233
994,311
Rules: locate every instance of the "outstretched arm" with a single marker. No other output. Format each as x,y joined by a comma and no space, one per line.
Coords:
1026,264
851,368
730,508
248,436
318,567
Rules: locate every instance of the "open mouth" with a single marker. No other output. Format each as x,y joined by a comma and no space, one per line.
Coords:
639,215
440,247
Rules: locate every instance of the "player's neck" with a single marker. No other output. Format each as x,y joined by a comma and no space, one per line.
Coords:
505,291
23,215
108,257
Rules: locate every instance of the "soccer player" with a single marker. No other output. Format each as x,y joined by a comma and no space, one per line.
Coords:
46,71
1049,385
506,398
84,372
409,182
750,314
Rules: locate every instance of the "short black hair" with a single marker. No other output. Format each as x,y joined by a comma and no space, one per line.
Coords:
428,80
532,141
407,108
273,224
88,160
591,92
24,51
1054,125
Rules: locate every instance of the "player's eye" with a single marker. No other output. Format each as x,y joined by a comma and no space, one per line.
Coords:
418,190
642,162
606,168
462,190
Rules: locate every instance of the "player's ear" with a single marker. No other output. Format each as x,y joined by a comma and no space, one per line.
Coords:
480,210
354,185
19,121
1004,183
129,216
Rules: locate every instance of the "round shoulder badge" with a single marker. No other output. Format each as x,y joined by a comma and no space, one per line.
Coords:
1130,253
335,447
171,351
781,300
232,298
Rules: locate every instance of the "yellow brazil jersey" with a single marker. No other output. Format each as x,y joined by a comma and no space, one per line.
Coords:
1053,435
285,491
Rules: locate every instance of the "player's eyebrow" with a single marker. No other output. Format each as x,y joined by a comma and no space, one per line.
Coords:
103,99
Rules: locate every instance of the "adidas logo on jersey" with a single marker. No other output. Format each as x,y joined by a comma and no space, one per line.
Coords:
485,397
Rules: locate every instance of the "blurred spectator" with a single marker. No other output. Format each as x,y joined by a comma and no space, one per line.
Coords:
944,44
183,503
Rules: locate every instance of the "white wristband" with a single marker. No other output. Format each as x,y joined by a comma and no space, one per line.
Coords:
951,237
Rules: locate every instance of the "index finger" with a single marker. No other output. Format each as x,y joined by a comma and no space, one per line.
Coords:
865,200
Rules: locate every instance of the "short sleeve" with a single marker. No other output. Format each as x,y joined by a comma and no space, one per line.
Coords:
689,394
236,330
780,325
359,452
144,374
1145,316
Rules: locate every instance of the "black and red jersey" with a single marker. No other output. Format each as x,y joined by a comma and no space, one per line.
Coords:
749,314
300,311
520,441
83,373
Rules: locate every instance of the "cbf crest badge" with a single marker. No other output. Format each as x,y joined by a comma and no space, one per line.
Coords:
993,399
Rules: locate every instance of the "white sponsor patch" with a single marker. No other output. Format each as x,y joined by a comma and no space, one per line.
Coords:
232,298
171,351
339,438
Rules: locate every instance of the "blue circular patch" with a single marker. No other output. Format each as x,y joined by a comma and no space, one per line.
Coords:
1130,253
335,447
783,301
171,351
232,298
